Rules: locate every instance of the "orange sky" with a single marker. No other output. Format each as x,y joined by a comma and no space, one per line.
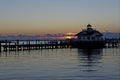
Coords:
51,16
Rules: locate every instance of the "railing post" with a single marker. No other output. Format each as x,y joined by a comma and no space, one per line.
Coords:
17,45
0,46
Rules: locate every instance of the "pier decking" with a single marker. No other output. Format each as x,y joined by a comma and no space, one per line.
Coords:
17,45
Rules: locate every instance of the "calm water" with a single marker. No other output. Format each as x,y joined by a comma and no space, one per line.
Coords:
61,64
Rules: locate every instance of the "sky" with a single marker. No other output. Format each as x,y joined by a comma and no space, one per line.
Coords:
58,16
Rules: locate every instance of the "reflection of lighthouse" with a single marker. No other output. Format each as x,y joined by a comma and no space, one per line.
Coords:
89,59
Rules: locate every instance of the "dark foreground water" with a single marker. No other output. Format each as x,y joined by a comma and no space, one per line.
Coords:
61,64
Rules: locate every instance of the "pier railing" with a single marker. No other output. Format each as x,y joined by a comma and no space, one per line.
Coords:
16,45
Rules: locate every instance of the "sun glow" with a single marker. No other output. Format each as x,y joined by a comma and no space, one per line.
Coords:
70,35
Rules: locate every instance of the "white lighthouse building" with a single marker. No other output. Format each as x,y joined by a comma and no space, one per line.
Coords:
89,34
89,38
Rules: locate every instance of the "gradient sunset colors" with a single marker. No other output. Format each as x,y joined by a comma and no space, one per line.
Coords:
58,16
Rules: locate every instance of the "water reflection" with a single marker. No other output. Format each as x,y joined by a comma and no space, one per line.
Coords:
90,59
60,64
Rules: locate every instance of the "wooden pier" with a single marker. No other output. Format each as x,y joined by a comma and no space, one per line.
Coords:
17,45
115,42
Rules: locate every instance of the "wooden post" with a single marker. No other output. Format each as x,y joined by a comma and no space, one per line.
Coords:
9,46
0,46
28,45
17,45
23,47
5,45
36,44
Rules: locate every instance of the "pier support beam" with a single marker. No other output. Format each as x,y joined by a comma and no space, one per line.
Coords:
0,46
5,49
17,45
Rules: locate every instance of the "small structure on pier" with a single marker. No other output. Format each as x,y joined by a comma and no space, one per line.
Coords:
89,34
88,38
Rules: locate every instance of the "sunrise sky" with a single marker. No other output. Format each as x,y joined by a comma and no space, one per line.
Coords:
58,16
